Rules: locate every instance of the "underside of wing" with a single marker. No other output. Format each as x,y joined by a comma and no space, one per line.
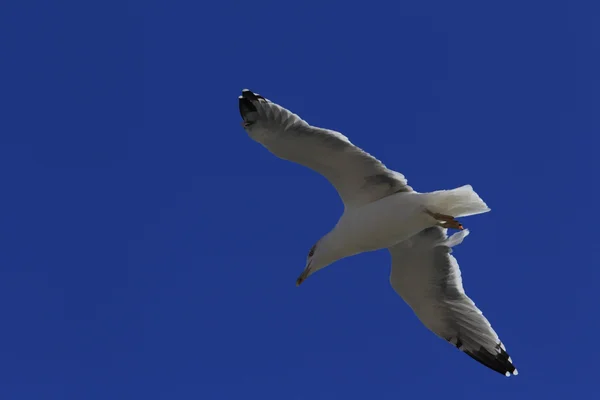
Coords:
428,278
358,177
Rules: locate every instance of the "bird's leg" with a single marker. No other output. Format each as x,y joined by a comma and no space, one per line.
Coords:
451,224
446,221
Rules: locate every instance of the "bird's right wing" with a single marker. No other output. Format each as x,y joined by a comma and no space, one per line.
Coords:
358,177
427,277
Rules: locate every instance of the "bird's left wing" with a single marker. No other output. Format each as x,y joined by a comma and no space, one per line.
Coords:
427,277
358,177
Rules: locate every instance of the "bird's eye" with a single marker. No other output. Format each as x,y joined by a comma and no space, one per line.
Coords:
312,251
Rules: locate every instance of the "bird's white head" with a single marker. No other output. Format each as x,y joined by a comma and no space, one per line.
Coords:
319,257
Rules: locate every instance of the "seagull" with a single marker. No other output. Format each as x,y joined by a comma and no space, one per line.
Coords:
382,212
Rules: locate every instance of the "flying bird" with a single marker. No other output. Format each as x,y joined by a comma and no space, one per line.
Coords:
382,211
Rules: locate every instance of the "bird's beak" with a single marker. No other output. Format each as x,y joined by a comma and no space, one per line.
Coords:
303,276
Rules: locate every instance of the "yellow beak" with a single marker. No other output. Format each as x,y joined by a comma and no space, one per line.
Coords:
302,277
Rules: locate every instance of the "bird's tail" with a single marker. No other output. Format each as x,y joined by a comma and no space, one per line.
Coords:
459,202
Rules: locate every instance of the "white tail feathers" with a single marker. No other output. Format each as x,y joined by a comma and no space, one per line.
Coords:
459,202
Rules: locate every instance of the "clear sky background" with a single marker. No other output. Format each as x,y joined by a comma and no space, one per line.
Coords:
149,248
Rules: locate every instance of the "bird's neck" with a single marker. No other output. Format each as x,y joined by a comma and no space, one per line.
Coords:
333,246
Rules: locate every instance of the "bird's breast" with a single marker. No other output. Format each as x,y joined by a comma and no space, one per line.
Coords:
383,223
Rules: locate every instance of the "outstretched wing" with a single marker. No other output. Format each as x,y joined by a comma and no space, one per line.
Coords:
427,277
358,177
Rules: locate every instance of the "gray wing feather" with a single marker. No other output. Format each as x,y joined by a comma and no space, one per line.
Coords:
428,278
358,177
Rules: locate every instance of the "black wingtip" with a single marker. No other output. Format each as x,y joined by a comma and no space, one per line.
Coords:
500,362
246,106
250,95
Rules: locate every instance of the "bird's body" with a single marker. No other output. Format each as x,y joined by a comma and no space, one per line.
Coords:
382,223
382,211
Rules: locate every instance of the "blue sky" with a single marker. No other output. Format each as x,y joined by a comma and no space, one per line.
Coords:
149,248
